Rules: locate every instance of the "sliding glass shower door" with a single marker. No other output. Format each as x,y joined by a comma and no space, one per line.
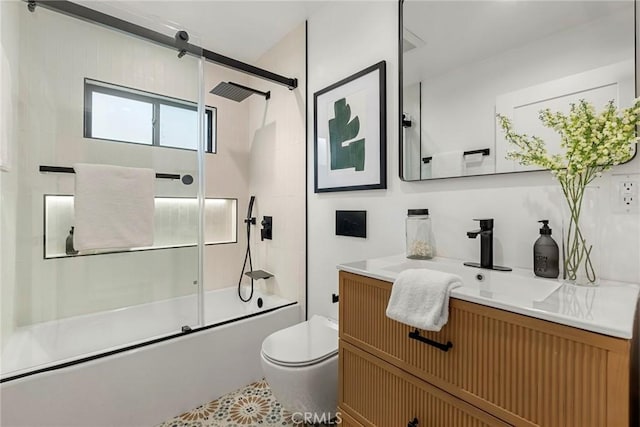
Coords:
84,96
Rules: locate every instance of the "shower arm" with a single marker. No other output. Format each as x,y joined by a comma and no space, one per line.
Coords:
266,95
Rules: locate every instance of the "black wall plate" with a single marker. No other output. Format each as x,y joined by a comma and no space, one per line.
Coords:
351,223
267,228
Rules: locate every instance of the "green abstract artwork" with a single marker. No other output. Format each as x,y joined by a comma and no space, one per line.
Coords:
341,129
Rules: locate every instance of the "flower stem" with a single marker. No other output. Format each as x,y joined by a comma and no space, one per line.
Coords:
578,251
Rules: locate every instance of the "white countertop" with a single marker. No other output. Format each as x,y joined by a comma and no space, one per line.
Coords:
607,309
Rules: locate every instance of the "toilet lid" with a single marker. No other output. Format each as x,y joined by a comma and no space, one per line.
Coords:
303,344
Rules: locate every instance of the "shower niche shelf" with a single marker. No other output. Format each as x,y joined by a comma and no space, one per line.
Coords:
175,224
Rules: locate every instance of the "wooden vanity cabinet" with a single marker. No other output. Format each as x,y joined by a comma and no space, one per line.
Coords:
502,369
384,395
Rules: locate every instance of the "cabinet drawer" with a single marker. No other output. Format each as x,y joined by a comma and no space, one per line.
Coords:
379,394
525,371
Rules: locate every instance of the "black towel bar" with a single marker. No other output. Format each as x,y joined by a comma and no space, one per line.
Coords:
186,179
483,151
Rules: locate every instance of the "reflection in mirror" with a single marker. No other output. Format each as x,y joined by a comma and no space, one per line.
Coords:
465,61
411,131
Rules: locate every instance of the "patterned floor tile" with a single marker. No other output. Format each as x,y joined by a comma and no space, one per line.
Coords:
253,405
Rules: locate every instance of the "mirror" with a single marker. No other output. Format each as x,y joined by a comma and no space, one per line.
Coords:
464,61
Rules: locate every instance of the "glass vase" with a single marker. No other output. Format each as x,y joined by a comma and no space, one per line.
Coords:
581,237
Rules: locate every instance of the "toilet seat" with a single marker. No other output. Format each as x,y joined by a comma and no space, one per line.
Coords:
303,344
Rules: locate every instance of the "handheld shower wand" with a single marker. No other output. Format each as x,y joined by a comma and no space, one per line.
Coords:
249,220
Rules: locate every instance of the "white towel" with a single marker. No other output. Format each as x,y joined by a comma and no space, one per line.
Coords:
446,164
473,158
478,164
420,298
113,207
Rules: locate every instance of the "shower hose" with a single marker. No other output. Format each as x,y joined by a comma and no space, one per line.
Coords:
247,256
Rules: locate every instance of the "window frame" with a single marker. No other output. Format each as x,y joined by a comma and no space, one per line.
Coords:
156,100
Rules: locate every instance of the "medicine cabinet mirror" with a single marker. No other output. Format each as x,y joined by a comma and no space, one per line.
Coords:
464,61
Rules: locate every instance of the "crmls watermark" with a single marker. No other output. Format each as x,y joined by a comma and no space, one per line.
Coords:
326,418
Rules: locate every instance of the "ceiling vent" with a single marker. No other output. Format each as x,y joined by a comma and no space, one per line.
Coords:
410,41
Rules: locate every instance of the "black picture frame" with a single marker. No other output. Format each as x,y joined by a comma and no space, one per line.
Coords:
362,163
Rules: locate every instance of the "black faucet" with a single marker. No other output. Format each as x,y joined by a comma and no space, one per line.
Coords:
486,246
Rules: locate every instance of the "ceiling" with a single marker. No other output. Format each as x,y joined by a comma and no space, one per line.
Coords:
243,30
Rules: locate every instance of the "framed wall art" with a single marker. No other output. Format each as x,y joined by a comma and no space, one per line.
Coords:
350,133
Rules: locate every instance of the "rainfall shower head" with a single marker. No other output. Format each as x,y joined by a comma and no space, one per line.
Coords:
236,92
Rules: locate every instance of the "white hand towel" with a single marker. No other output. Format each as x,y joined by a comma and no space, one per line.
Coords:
447,164
420,298
113,207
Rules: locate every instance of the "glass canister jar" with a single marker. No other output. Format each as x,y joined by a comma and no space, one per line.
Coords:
418,228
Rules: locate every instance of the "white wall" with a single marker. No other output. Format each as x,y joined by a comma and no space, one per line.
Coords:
277,168
346,37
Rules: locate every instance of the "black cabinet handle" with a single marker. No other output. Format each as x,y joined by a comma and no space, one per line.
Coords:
413,423
416,336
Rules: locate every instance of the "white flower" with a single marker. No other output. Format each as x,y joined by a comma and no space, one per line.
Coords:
593,142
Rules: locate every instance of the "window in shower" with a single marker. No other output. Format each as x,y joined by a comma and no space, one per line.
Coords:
121,114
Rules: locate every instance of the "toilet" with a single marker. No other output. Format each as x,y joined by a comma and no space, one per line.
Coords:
300,363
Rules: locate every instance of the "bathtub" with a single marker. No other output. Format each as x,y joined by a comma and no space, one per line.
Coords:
143,385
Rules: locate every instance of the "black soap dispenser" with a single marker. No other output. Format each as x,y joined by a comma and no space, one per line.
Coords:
69,246
546,255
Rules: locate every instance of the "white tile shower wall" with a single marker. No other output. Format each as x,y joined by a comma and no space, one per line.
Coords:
345,37
9,56
277,168
50,132
227,174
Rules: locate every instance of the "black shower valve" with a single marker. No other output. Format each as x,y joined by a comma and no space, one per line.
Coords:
267,228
